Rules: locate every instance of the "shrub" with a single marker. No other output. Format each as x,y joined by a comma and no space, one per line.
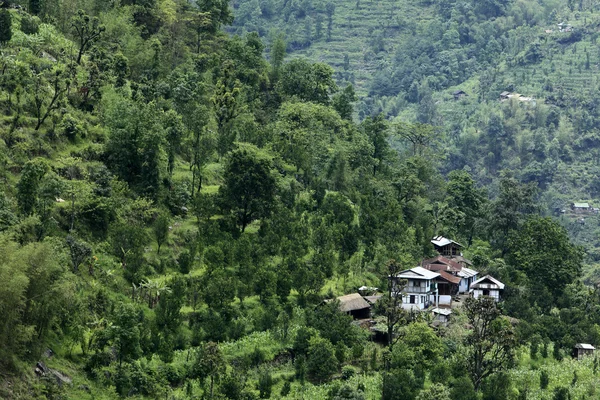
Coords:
348,372
544,379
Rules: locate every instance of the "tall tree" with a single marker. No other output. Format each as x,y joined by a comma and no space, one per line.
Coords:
87,30
491,342
510,208
390,305
249,188
5,26
542,249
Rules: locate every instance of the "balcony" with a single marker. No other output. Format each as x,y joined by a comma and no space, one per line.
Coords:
420,289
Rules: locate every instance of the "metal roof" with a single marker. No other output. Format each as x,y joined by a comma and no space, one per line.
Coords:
467,272
449,277
442,241
581,205
584,346
443,311
487,278
417,273
433,264
351,302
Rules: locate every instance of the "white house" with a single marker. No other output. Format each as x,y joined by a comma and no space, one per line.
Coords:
421,289
487,286
446,247
440,263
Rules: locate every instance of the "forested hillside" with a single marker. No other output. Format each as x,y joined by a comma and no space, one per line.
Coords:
184,194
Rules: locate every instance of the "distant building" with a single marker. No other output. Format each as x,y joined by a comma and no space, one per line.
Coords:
454,266
421,289
446,247
459,94
441,316
581,207
487,286
355,305
581,350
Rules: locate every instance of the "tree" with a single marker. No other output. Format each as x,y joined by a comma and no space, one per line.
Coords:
321,363
541,248
227,106
437,391
390,305
342,102
376,128
5,26
307,81
420,136
35,6
49,89
161,229
508,211
87,30
28,185
329,9
249,188
209,363
277,56
464,197
491,342
125,332
79,251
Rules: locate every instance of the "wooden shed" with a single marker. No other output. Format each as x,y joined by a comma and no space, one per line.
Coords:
581,350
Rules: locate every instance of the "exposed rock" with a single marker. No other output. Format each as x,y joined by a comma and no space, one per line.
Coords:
48,353
61,378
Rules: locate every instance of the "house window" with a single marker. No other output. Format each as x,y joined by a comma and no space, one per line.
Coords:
423,299
416,284
412,299
486,292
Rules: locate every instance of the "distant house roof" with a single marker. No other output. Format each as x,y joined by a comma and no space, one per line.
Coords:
458,92
467,272
352,302
480,283
581,205
460,259
442,311
441,263
504,94
372,299
417,273
584,346
441,241
449,277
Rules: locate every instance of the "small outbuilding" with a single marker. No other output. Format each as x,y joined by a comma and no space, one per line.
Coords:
441,316
355,305
581,350
459,94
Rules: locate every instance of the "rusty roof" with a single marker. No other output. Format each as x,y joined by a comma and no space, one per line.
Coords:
449,277
451,265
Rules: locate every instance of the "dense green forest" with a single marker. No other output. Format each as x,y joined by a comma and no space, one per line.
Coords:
184,183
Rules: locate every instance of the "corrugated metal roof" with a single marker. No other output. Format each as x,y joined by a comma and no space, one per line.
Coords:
443,311
450,265
449,277
584,346
442,241
467,272
352,302
418,273
581,205
487,278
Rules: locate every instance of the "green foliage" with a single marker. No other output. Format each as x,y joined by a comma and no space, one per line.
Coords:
321,363
5,26
540,243
249,187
